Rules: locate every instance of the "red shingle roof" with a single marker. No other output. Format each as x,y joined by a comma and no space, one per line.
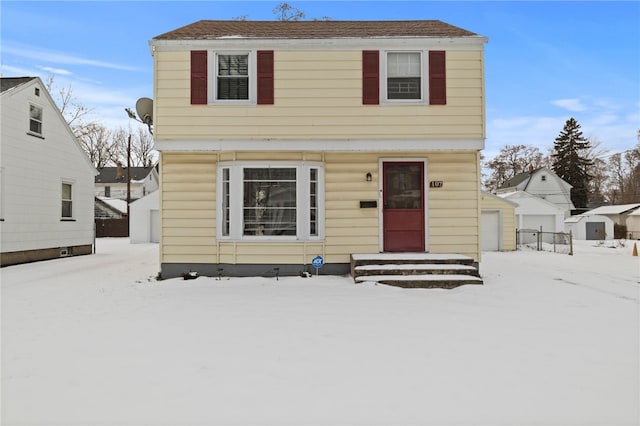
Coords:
206,29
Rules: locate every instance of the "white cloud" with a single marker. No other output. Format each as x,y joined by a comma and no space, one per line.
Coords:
41,55
574,105
58,71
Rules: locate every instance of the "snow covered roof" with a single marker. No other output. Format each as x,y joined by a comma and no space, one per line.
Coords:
616,209
120,205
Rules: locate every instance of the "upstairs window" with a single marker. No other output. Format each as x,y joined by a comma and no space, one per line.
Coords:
404,75
35,120
233,77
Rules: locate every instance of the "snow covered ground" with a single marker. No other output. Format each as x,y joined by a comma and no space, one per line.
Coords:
550,339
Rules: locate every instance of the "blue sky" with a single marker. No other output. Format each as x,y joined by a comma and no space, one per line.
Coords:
545,61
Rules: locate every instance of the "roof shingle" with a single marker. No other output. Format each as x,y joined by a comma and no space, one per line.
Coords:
210,29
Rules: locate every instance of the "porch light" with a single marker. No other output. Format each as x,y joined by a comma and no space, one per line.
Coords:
369,177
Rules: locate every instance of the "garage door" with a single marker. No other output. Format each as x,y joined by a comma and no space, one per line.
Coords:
490,229
535,221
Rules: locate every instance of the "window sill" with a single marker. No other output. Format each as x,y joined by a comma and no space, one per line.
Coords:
35,135
67,220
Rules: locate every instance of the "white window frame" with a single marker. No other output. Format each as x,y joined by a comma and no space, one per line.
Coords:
303,204
213,77
424,77
73,189
41,121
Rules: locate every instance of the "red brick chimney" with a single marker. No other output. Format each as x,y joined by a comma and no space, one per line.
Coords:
118,171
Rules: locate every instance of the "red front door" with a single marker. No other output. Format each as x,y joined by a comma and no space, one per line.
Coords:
403,206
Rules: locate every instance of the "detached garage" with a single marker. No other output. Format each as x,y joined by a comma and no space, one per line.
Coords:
535,214
589,227
144,223
497,227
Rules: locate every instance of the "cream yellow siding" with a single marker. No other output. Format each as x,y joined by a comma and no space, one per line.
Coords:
318,95
188,208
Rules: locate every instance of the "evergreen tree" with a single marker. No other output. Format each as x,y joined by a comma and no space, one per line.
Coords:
571,162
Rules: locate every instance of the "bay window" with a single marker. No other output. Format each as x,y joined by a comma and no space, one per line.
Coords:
279,200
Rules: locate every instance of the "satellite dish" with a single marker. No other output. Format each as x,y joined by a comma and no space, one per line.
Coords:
144,108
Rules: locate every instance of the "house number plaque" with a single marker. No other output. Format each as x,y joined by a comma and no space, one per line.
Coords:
436,184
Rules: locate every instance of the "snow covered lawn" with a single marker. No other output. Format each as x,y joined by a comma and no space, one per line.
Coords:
550,339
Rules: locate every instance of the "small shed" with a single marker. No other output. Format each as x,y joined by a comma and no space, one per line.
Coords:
145,220
497,227
589,227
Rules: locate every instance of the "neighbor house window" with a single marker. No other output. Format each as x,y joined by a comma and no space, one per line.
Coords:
107,191
67,200
274,201
232,77
35,119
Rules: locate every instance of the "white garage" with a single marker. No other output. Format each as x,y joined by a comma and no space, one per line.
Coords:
535,214
144,223
497,223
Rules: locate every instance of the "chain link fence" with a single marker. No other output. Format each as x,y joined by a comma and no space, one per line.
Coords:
538,240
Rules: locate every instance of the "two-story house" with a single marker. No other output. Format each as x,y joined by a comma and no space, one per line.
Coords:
46,179
282,141
542,183
111,182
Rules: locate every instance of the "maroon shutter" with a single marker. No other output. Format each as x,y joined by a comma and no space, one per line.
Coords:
370,77
437,77
265,77
198,77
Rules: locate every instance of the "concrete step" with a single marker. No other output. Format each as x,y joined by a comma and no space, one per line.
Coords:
421,281
415,269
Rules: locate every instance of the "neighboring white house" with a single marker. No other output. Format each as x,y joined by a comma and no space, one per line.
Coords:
144,225
633,225
589,227
536,214
46,179
497,226
111,182
544,184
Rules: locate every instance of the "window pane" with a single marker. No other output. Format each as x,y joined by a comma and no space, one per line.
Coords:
66,208
225,202
233,88
269,205
403,88
35,127
233,65
313,202
66,191
35,113
403,64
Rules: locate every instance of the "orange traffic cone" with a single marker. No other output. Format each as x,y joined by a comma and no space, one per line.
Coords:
635,249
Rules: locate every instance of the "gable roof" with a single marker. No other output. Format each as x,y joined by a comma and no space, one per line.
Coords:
108,174
212,29
7,83
525,177
619,209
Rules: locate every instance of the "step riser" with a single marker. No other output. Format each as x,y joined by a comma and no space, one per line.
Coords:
471,272
430,284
